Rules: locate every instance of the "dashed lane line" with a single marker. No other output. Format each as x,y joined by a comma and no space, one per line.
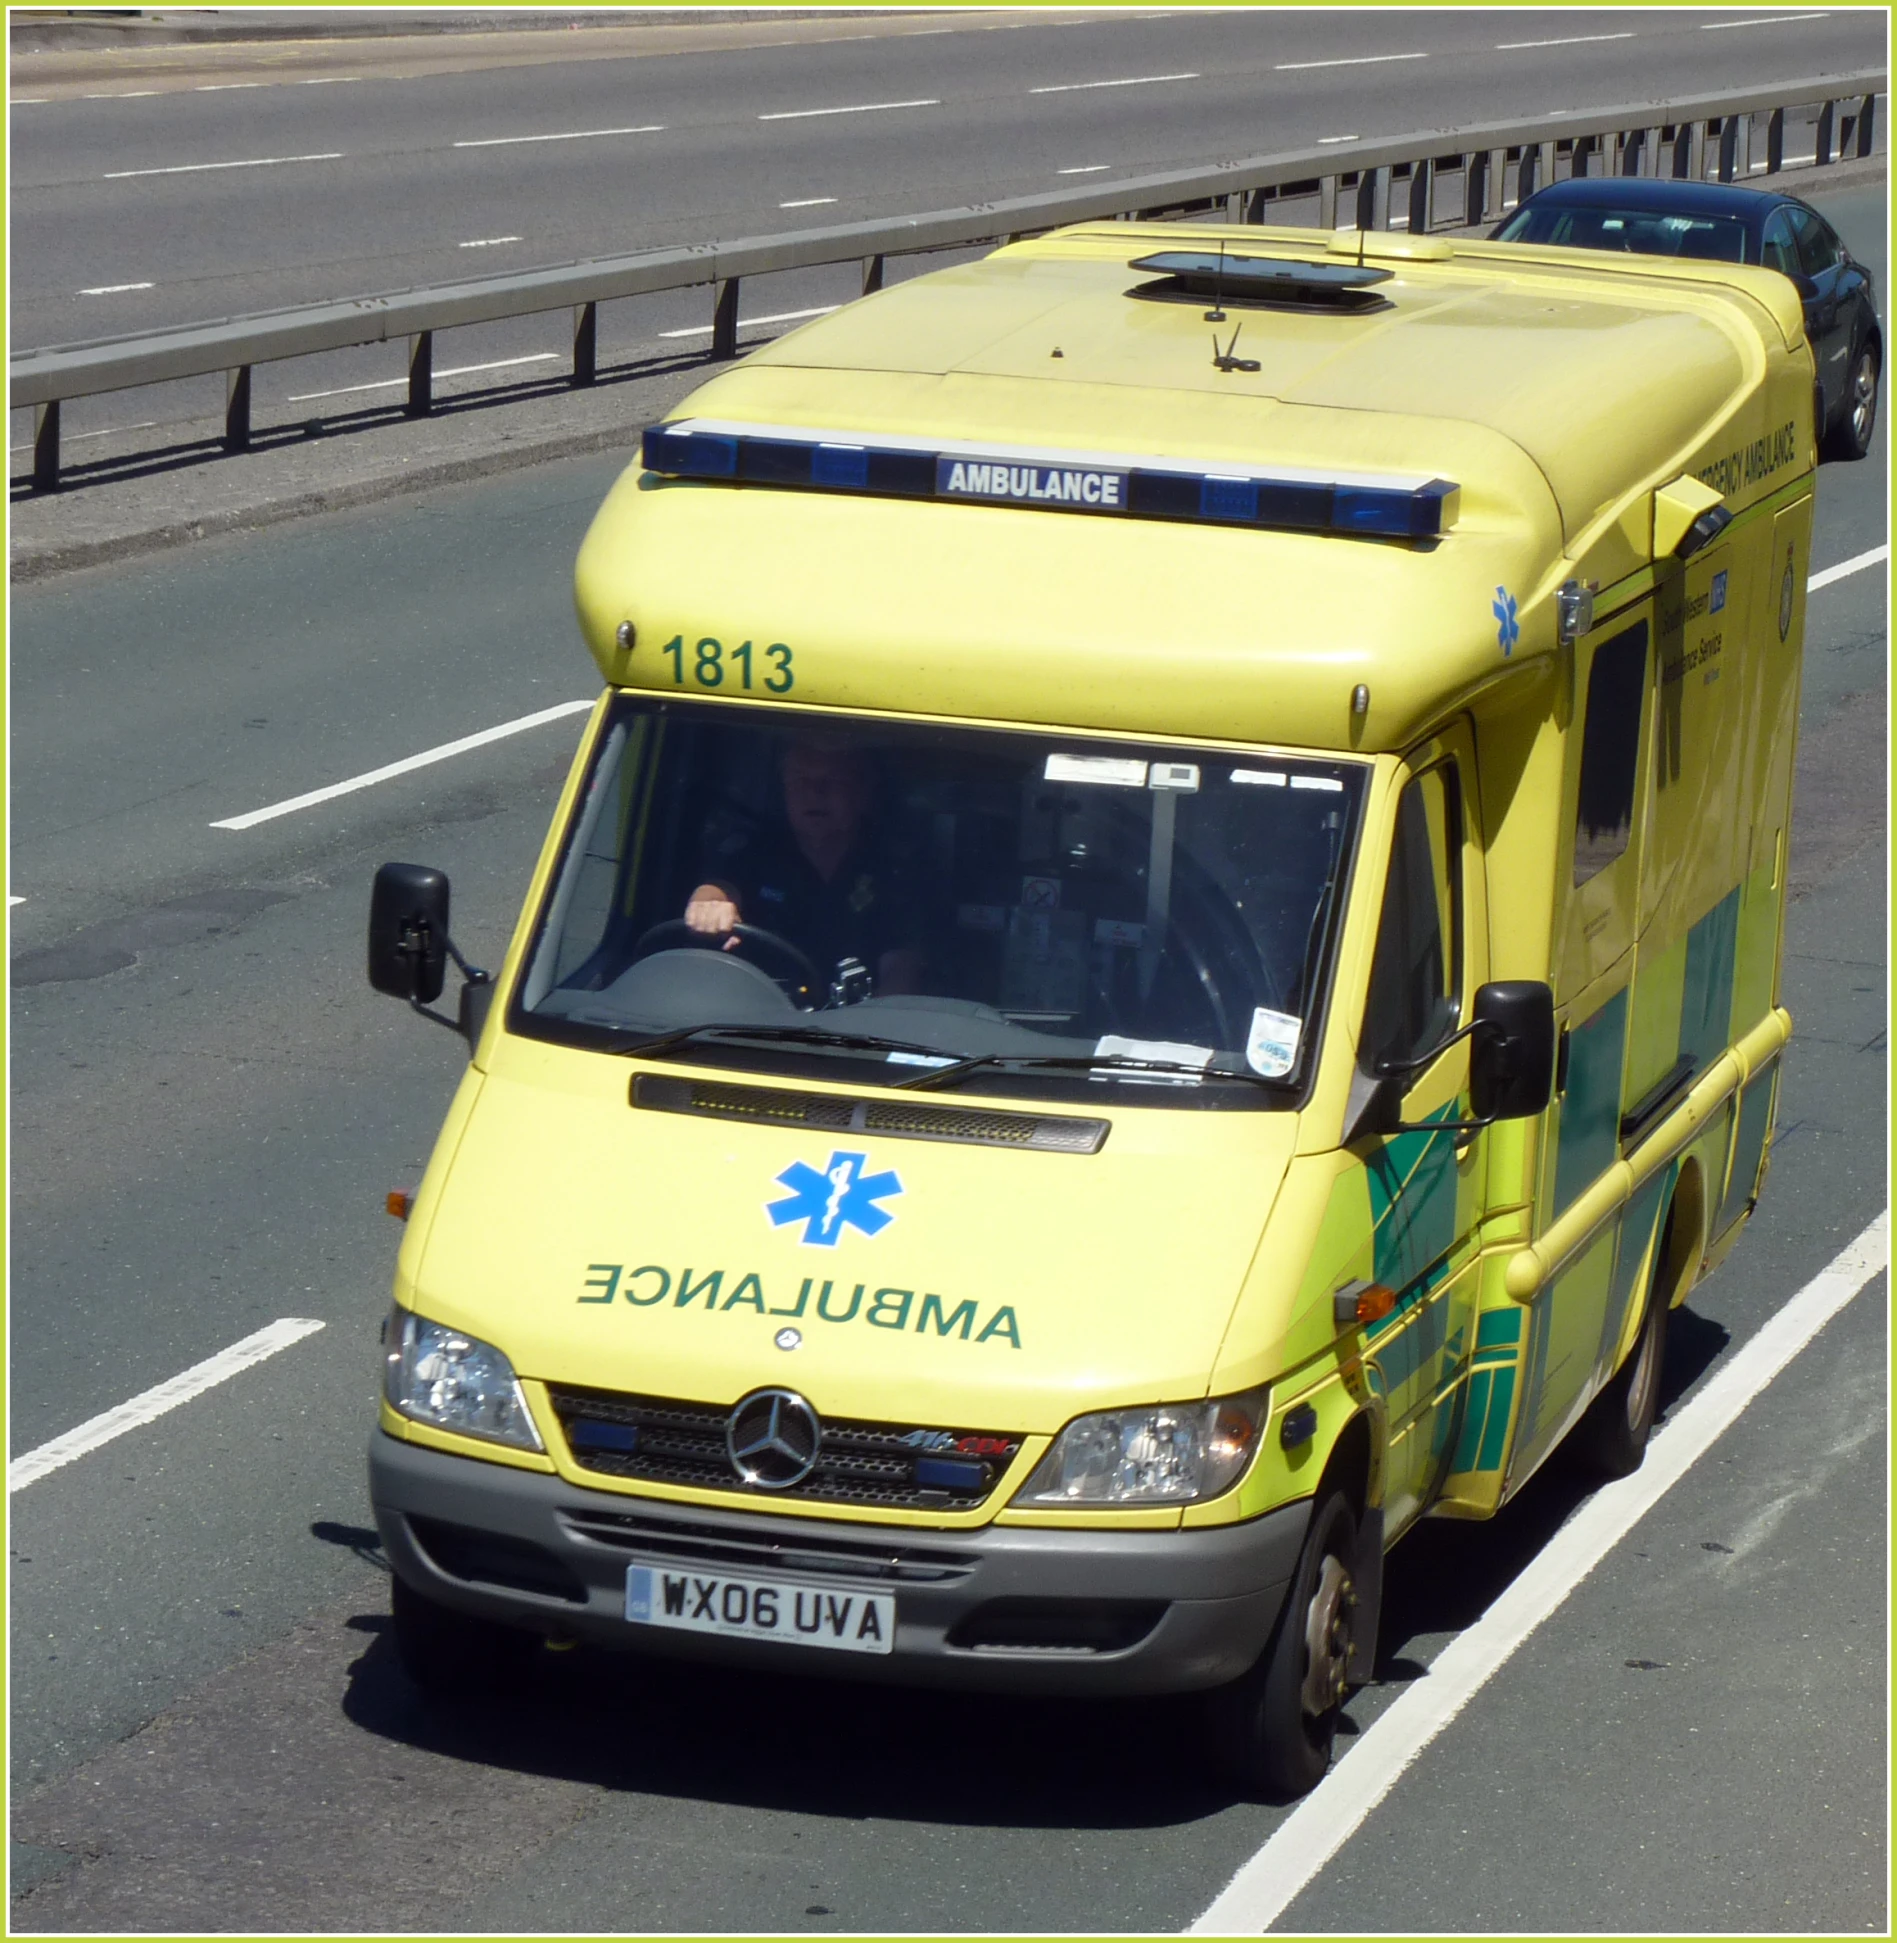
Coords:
1771,20
112,289
1327,1817
1566,40
1132,81
857,108
155,1402
567,135
251,818
750,323
203,168
1856,564
1354,60
454,371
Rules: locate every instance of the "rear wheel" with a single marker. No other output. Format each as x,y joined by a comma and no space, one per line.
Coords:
1612,1437
1273,1728
453,1655
1850,437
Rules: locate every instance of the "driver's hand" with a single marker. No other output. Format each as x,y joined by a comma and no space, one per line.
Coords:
711,911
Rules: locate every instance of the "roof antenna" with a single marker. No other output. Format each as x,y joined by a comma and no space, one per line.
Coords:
1224,360
1216,315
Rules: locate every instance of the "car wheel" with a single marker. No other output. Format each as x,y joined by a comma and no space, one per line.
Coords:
1273,1728
1612,1437
453,1655
1850,437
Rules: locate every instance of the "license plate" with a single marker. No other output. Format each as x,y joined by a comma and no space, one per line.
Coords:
797,1615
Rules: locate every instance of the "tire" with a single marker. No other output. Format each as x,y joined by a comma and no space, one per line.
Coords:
452,1655
1272,1729
1850,437
1612,1438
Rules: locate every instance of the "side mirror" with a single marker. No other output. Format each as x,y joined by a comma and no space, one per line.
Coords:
1512,1050
408,932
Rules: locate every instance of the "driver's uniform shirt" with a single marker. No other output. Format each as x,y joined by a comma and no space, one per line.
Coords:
862,912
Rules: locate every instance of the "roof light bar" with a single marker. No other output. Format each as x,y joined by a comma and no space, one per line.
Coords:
1050,479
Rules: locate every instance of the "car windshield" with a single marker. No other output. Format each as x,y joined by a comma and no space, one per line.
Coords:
907,897
1651,232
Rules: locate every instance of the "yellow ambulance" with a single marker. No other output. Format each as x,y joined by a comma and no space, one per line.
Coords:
1160,957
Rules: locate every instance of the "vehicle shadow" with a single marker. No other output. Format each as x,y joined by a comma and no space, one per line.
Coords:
1446,1573
816,1745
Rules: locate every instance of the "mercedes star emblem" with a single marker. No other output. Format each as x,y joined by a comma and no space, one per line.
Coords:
772,1438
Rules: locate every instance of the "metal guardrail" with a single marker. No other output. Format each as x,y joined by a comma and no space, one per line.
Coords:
1691,137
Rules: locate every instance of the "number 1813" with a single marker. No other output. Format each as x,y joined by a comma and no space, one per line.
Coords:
706,662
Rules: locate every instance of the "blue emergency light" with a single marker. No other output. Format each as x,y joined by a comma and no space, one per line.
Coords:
1049,479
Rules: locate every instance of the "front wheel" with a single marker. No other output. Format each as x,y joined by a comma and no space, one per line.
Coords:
453,1655
1273,1728
1850,437
1612,1437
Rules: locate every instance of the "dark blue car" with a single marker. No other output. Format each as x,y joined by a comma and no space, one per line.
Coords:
1729,224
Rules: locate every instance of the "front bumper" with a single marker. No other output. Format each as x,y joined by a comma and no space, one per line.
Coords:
1006,1608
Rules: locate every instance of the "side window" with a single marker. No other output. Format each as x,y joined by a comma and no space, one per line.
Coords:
1416,977
1610,752
1779,251
1816,244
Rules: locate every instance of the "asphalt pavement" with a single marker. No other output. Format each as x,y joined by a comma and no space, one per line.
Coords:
143,195
208,1728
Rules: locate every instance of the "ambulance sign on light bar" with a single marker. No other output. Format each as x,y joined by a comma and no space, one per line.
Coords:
1378,505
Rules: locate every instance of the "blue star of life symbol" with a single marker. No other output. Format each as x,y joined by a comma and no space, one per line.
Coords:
1508,629
833,1198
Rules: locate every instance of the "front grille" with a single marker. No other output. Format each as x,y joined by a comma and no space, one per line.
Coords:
664,1441
895,1119
736,1550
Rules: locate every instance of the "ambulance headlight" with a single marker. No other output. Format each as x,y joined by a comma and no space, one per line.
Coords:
1172,1453
455,1382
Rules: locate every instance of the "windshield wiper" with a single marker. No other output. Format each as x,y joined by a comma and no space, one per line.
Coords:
809,1035
1118,1062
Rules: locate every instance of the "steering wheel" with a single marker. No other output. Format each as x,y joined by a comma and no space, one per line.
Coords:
747,935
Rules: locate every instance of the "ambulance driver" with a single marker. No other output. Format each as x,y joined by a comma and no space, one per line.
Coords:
819,879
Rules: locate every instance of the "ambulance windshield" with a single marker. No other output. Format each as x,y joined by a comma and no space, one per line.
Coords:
893,898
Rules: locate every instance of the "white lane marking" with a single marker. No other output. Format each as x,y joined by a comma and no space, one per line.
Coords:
73,438
1327,1817
860,108
112,289
571,135
1566,40
1090,168
143,1408
486,242
29,101
328,80
1775,20
745,324
117,94
12,900
1134,81
1355,60
807,202
1856,564
455,371
200,168
224,87
373,776
1327,141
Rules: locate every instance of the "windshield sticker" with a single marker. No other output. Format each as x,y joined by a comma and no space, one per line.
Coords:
917,1059
841,1196
1040,893
1271,778
1329,783
1173,775
1112,1046
1507,628
1272,1047
1119,931
1119,772
719,1291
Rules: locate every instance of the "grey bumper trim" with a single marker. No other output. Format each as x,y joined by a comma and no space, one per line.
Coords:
1216,1591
